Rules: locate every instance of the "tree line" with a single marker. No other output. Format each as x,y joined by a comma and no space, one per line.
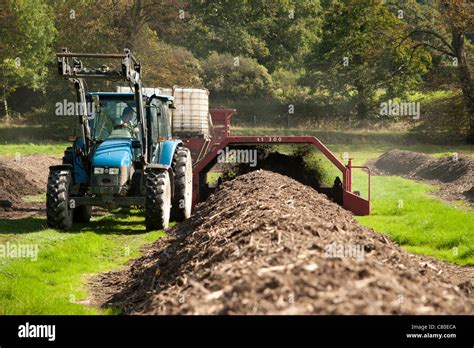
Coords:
318,54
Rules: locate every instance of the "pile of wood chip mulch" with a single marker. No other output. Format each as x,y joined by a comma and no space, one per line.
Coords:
267,244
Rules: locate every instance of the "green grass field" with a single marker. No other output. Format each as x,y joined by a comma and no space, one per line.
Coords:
420,222
407,210
55,283
55,150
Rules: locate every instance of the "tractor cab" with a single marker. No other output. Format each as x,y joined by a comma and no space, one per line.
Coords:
116,138
114,116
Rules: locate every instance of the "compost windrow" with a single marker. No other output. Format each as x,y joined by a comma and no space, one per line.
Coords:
453,174
267,244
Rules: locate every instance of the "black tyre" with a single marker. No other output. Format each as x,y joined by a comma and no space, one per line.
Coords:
183,185
82,213
58,213
158,199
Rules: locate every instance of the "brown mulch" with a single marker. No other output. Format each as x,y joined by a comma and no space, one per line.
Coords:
259,245
453,175
13,185
23,176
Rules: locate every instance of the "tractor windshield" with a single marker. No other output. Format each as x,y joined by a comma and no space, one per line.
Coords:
116,116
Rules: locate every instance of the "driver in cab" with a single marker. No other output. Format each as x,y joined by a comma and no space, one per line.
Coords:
126,121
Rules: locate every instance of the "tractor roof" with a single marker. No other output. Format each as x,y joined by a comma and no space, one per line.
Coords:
165,98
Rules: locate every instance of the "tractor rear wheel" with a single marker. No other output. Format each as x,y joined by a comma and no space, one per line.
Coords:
158,199
58,213
183,185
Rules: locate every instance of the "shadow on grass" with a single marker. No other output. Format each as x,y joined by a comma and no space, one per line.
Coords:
34,134
120,221
127,212
101,226
110,226
24,225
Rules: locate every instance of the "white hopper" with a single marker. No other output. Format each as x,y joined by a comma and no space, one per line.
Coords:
192,111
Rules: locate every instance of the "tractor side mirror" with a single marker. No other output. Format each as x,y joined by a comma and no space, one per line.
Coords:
136,144
96,101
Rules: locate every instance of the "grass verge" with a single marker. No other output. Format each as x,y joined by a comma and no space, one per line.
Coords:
54,283
419,222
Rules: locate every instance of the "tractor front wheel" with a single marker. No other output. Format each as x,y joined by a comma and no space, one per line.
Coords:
59,214
158,199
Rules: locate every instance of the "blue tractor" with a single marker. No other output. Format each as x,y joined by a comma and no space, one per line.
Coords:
125,156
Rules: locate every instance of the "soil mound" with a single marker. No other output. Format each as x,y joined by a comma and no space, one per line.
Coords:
266,244
19,177
13,185
399,162
470,195
447,169
454,174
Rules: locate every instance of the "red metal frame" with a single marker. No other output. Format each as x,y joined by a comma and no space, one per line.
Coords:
200,145
351,201
205,152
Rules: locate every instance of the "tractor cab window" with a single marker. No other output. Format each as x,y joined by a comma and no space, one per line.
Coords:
159,123
116,117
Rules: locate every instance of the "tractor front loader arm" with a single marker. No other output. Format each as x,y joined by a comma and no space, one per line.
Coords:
72,68
81,98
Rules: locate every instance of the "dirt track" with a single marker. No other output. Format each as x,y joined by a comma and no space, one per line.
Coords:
260,245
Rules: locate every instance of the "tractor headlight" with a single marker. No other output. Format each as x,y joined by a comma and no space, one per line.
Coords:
98,170
114,171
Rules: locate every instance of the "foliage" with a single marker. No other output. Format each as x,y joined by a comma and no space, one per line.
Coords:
26,35
275,33
225,75
287,86
165,64
290,52
359,53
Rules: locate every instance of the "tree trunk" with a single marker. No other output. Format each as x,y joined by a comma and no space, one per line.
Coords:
362,109
5,105
465,79
137,22
362,103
